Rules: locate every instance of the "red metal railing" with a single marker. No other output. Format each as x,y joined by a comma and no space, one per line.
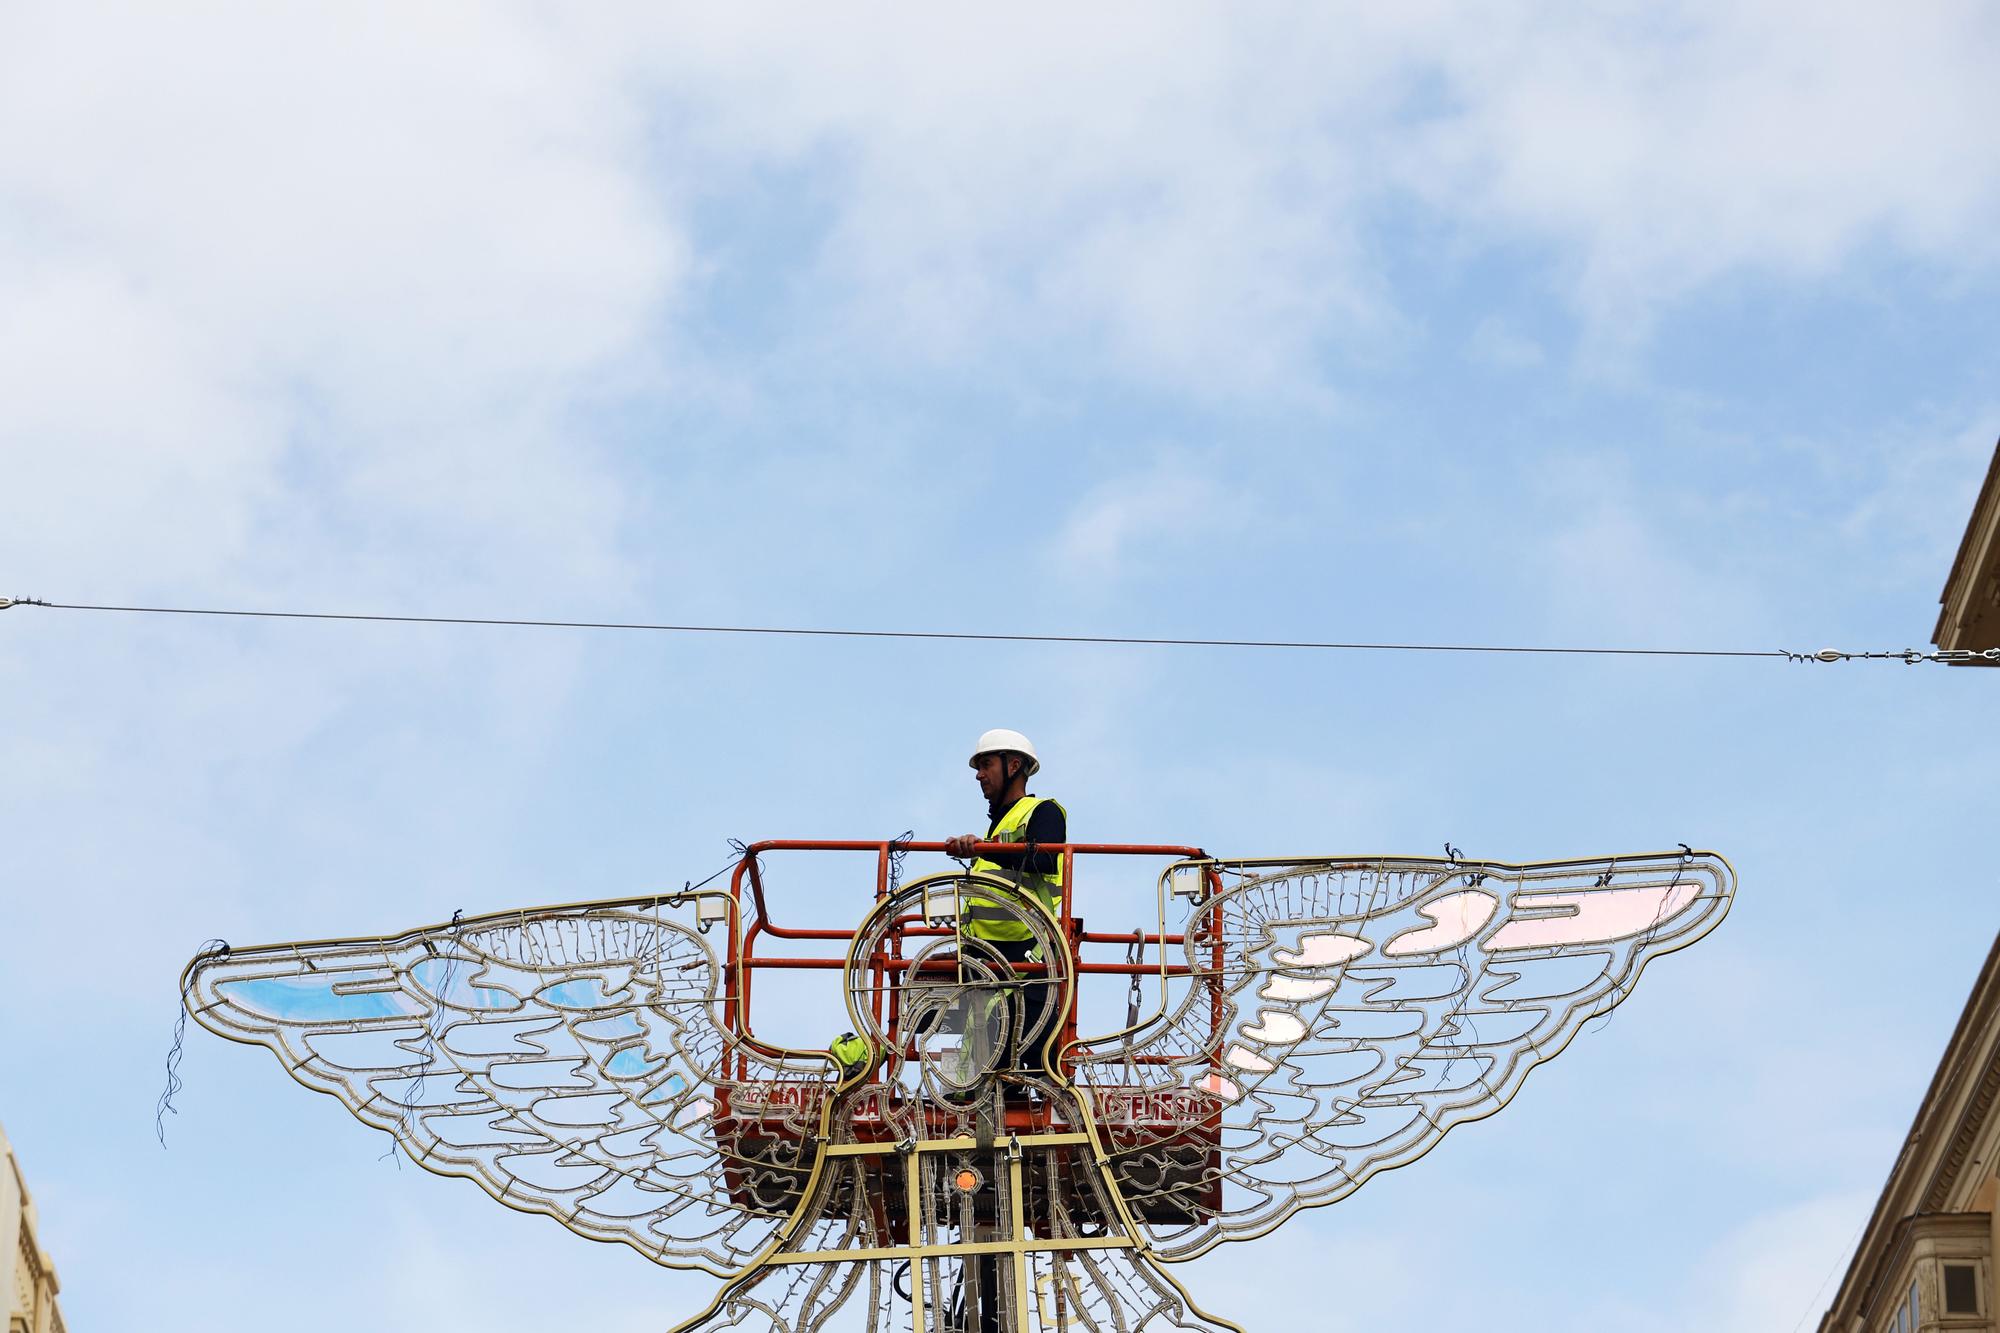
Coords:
744,961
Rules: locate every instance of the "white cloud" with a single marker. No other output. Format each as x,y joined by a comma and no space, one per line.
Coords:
1111,531
1496,343
1161,192
332,273
1917,491
298,308
398,214
1655,150
1777,1270
121,437
1611,557
359,185
1192,200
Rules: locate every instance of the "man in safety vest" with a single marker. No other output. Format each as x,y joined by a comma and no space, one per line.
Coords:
1003,761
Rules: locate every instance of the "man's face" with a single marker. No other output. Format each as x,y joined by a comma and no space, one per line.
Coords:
991,770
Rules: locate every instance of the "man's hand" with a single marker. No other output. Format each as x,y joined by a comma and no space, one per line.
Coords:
962,845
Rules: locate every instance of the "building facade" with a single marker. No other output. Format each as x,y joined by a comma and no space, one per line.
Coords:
31,1296
1969,617
1926,1260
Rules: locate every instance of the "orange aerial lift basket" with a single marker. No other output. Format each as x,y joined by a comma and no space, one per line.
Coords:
1163,1141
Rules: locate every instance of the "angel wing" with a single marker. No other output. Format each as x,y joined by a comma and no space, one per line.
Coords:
1343,1014
572,1061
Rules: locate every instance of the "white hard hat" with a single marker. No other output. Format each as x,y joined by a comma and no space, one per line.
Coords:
1002,739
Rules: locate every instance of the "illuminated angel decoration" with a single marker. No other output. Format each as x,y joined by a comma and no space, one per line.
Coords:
983,1166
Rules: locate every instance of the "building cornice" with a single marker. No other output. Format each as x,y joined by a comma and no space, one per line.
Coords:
1969,617
1948,1122
1951,1167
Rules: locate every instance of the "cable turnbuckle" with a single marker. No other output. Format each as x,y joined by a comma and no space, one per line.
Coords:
1908,656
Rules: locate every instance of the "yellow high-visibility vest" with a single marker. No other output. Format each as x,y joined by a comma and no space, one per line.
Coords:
987,919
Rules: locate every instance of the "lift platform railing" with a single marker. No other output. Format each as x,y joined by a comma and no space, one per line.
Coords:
752,927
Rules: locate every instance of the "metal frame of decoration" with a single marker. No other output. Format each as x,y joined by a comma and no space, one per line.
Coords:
1316,1020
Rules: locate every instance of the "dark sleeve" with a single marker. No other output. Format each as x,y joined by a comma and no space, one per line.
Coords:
1046,827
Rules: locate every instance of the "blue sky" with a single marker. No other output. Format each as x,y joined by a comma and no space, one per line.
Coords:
1666,326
